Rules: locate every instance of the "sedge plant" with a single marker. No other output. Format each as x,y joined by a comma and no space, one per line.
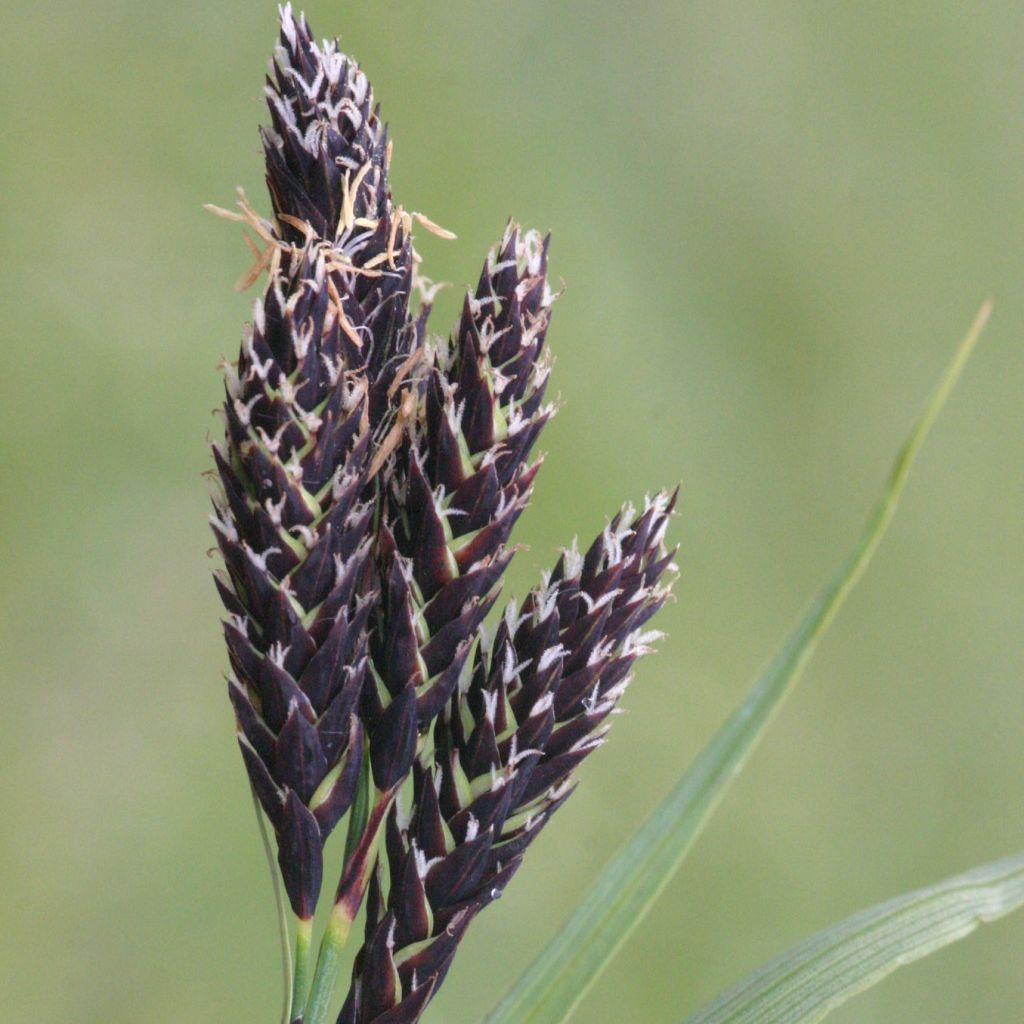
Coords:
368,483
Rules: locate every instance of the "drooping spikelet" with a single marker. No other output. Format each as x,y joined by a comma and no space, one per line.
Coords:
536,705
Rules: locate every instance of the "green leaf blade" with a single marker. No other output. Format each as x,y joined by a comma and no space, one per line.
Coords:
805,984
555,983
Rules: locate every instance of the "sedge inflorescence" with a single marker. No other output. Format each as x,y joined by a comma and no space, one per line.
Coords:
369,481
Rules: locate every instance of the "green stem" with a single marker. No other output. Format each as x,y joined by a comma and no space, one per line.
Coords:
335,937
303,961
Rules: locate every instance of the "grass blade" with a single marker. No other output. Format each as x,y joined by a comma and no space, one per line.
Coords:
557,980
804,985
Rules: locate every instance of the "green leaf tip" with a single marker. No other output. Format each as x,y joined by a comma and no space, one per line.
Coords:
805,984
555,983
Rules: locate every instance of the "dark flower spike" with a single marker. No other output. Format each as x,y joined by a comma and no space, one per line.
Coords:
318,384
459,483
295,536
536,704
320,399
369,485
485,396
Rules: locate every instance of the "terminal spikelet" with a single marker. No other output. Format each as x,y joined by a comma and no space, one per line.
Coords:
327,155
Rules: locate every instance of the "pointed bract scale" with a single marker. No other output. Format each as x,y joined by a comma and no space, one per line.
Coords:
382,986
298,759
300,854
335,794
393,740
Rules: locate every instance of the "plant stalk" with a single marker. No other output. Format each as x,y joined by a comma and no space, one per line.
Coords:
303,962
338,928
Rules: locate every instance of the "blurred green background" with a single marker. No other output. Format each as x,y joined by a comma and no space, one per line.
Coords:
774,221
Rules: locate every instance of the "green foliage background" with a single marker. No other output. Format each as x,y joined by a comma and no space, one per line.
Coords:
774,221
